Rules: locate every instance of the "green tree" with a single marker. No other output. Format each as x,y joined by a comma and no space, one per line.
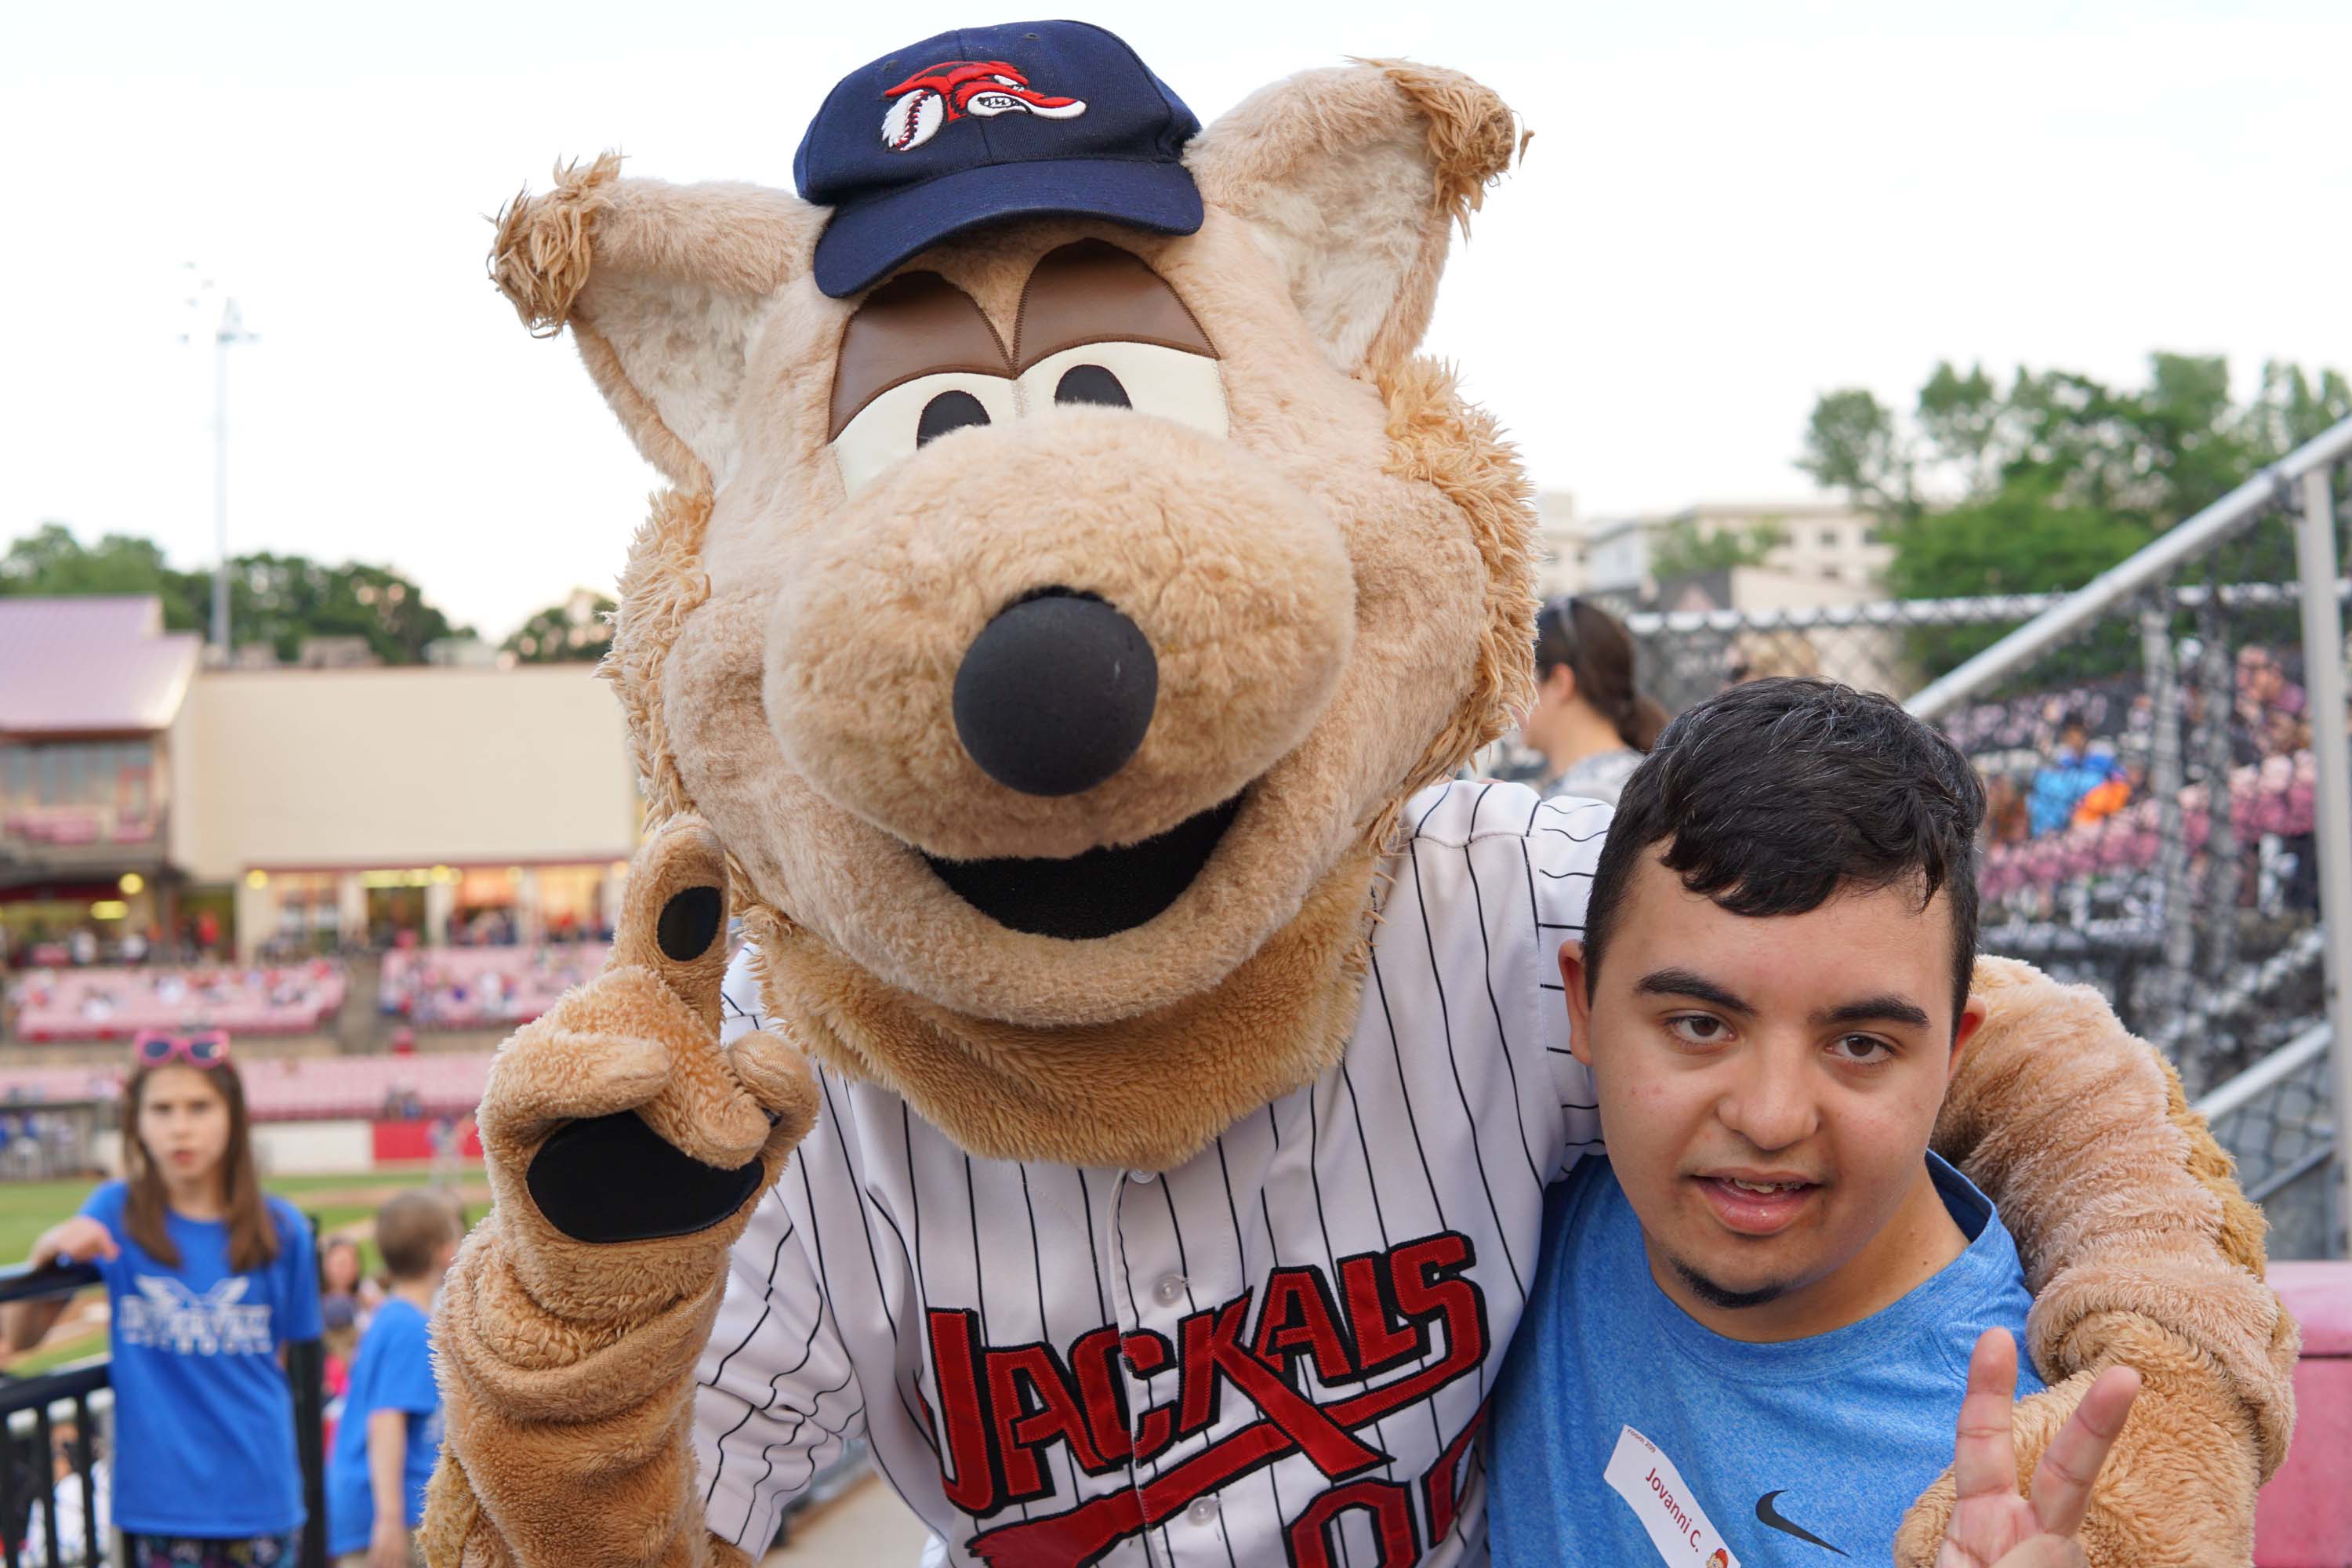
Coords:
2041,485
579,628
2021,539
2156,453
283,599
1683,551
276,599
51,561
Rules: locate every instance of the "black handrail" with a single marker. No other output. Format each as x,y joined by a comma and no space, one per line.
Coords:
21,1283
37,1394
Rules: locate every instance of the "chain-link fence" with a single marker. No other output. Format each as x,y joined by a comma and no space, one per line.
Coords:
1894,645
2165,754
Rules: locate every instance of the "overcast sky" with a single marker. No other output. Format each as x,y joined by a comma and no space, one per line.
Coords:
1728,208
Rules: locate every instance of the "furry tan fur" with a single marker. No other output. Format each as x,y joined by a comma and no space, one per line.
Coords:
1351,177
664,286
1339,587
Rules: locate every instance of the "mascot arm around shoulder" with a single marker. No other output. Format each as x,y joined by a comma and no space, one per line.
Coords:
1070,575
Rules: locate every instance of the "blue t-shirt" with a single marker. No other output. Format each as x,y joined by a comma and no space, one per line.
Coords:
394,1371
1786,1449
204,1416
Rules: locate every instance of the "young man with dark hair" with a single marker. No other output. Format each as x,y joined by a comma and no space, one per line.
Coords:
1752,1326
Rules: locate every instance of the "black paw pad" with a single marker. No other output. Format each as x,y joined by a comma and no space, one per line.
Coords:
613,1178
688,923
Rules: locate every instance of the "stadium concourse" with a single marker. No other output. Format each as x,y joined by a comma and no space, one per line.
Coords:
155,807
367,876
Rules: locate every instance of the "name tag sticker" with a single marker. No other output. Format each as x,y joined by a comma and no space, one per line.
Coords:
1643,1475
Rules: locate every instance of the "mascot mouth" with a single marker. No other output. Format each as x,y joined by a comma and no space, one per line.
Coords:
1099,893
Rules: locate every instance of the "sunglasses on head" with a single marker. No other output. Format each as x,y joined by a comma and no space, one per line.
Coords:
153,1048
1556,629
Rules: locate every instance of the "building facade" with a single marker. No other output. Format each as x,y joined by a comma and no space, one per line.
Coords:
1826,542
146,801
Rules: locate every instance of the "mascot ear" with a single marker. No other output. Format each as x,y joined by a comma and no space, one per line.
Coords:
1350,178
663,286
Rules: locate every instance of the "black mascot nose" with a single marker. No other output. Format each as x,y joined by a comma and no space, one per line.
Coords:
1054,694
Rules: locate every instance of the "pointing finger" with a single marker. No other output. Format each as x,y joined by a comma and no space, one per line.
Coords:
673,917
1984,1460
2070,1466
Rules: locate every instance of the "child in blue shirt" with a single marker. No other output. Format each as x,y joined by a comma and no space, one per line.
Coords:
1754,1321
208,1279
390,1434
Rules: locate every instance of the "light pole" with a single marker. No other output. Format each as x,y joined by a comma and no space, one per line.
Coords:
231,331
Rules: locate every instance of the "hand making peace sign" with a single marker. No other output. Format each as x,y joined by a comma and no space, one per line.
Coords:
1991,1525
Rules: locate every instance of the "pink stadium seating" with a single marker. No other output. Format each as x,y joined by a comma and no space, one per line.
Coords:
297,1089
483,988
116,1004
2273,797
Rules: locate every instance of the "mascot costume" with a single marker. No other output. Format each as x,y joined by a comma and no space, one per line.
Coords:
1072,600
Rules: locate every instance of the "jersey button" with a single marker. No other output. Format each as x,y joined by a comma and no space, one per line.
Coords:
1202,1512
1141,1177
1169,1291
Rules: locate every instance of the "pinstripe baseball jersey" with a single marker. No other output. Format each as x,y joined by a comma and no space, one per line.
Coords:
1280,1352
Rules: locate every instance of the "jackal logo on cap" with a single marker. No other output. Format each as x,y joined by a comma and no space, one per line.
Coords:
953,89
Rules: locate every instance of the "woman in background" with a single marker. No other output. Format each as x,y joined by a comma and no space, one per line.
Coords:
1591,723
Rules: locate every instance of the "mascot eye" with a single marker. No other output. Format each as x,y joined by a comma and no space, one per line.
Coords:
887,431
1173,384
1092,384
948,411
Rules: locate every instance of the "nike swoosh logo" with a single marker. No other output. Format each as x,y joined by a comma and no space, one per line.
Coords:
1766,1514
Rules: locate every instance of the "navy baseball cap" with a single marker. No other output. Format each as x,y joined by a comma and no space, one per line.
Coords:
1027,120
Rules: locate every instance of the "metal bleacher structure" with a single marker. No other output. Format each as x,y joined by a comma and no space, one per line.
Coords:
2209,668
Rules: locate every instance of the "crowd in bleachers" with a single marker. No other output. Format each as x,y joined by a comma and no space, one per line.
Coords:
482,987
493,987
106,1002
2067,782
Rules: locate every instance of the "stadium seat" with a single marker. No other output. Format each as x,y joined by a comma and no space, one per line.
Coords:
104,1003
296,1089
482,987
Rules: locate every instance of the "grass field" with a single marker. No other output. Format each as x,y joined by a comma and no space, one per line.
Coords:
336,1201
29,1208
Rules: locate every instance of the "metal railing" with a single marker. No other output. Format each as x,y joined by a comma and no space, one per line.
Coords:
2166,757
29,1489
2275,1150
32,1497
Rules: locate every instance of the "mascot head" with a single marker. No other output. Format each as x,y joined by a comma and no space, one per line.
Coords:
1070,569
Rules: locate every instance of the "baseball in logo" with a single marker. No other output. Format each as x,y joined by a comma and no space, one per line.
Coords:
953,89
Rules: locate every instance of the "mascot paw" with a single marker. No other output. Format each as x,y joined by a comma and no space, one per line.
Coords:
617,1117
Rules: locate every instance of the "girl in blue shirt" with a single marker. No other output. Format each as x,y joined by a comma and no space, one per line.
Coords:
209,1278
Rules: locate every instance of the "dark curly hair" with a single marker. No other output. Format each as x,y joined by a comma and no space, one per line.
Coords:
1776,794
